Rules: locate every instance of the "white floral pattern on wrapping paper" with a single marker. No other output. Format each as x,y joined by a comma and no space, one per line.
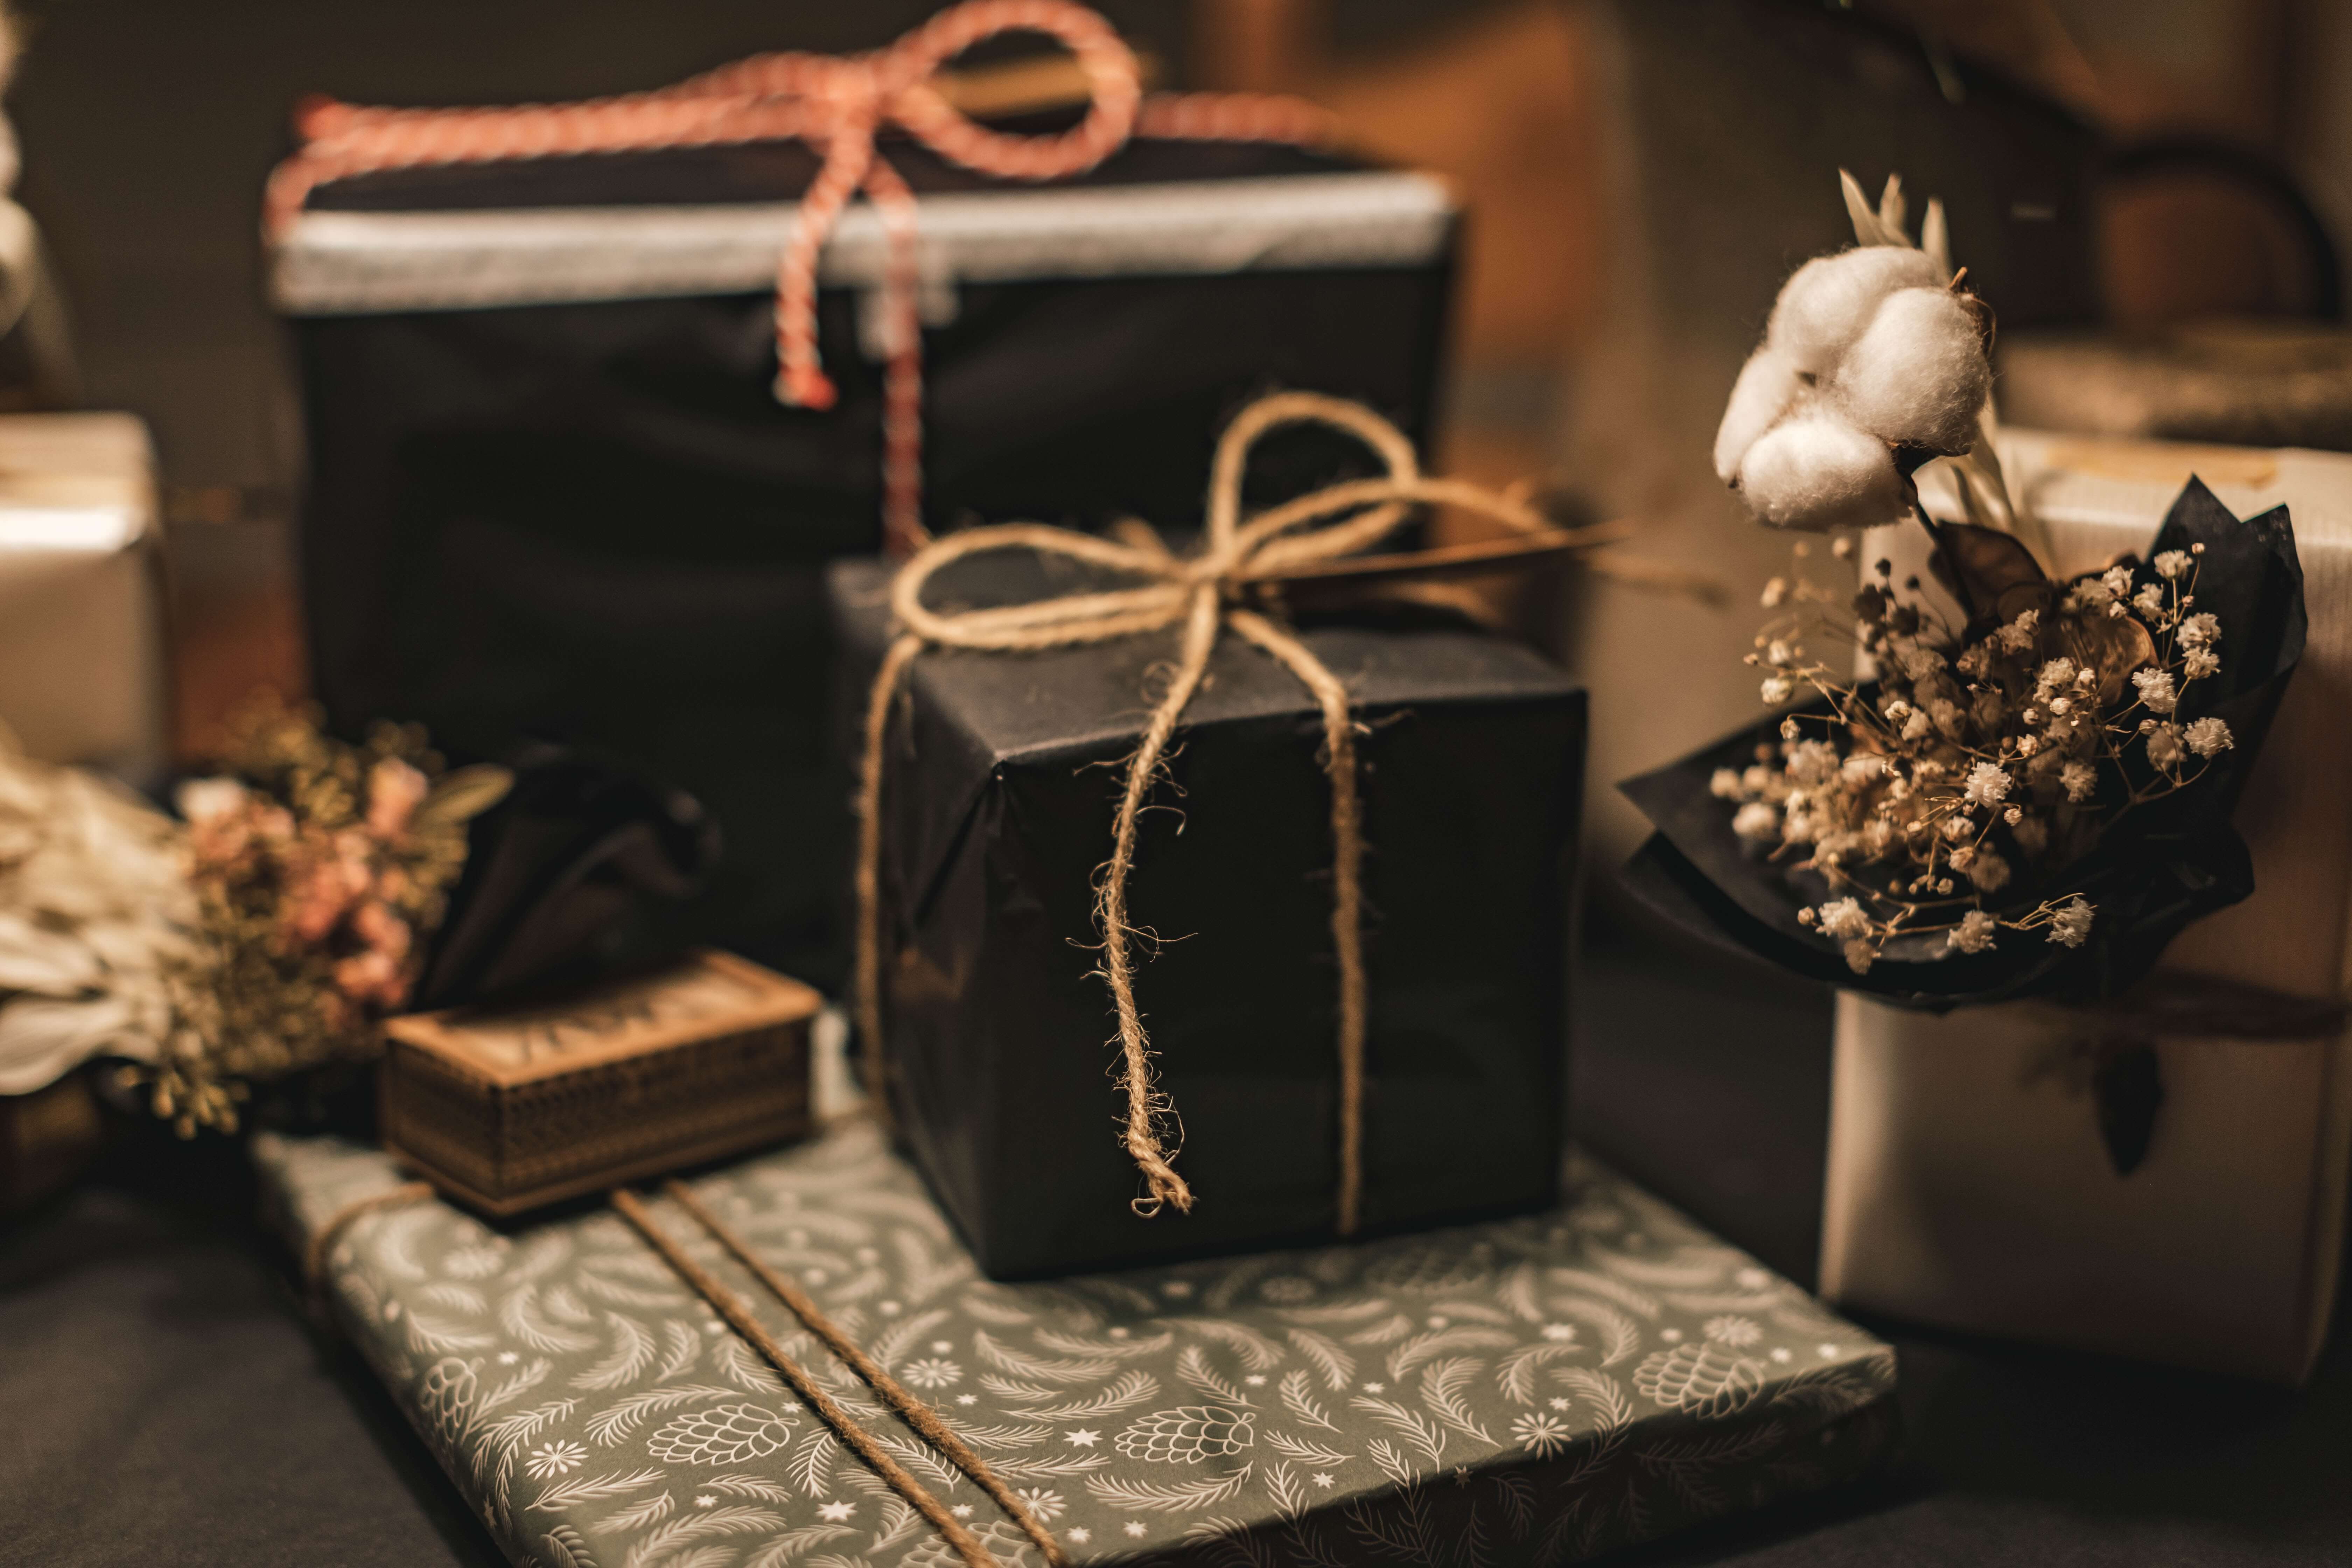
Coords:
1530,1391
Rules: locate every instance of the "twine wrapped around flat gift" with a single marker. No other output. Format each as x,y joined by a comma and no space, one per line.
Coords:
1202,595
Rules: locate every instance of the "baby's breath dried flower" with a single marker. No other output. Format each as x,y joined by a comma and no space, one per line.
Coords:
2149,601
2070,925
1918,663
1959,827
2172,563
1756,821
2018,635
2013,815
1725,784
1844,918
2199,662
2117,581
2058,672
1989,872
1775,593
2156,690
1862,767
2208,737
1987,785
2163,748
1859,955
1812,762
1974,933
2201,630
1776,689
2078,779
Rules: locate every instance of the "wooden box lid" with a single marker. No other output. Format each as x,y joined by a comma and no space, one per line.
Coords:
706,993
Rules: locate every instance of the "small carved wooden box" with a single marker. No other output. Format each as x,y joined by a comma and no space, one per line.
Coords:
507,1109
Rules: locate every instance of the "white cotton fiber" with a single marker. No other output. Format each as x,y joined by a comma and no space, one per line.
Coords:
1768,384
1818,472
1825,306
1918,375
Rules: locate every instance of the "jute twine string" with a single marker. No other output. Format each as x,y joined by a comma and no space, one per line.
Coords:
738,1315
925,1420
838,105
1202,595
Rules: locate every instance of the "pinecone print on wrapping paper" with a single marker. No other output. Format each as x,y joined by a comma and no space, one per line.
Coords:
444,1402
727,1436
1702,1378
1187,1435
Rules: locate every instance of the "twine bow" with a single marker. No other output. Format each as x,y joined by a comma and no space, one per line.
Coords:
1203,596
838,104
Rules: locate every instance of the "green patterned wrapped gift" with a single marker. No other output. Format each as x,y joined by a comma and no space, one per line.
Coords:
1528,1390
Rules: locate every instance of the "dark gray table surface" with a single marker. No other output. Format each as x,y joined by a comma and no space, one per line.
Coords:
163,1399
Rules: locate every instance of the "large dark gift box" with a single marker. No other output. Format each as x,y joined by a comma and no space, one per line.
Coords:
1001,787
1526,1392
551,491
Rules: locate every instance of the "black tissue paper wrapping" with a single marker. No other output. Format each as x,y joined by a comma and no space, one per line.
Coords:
1001,786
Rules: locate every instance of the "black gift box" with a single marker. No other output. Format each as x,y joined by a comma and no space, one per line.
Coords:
551,494
999,789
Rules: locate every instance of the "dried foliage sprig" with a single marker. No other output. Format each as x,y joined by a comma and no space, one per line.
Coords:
319,869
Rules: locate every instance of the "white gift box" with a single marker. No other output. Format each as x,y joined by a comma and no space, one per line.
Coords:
1968,1185
81,634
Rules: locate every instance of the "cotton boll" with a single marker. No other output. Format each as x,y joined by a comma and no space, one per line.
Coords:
1768,384
1831,300
1817,472
1918,375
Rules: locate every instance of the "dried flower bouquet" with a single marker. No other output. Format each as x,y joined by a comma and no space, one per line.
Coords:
2029,797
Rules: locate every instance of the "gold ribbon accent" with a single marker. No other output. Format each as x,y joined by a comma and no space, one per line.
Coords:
1202,596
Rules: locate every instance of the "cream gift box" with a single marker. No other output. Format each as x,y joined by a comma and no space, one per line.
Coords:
1969,1184
81,639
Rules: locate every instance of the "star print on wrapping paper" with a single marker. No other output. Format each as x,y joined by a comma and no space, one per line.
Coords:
1376,1388
1081,1534
1133,1526
961,1510
967,1399
507,1358
1084,1438
835,1512
1323,1478
1255,1380
1559,1403
705,1501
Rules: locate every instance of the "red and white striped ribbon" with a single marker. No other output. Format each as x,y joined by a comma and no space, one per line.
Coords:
838,105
